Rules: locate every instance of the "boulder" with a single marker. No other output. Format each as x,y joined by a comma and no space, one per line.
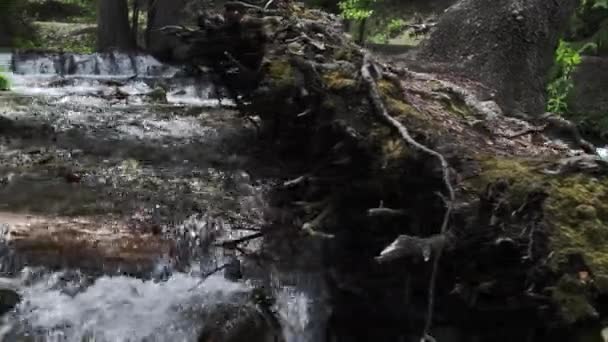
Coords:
590,81
239,322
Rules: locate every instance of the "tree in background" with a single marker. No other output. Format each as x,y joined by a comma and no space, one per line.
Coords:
113,30
163,13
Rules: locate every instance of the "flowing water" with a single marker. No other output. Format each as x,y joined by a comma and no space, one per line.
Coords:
119,176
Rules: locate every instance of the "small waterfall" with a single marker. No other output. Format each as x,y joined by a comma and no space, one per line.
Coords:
98,64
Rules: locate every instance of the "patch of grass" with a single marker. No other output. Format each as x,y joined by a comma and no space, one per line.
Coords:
78,38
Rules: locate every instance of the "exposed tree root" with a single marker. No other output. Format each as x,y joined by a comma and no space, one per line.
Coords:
312,227
438,241
386,212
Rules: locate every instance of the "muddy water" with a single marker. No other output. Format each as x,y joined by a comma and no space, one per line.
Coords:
113,200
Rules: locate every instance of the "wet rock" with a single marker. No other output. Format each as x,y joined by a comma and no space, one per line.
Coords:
72,177
238,323
9,298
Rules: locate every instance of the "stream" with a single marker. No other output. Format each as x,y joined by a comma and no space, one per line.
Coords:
120,177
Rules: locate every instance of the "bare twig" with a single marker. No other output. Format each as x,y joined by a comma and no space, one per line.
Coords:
296,181
234,243
207,275
380,108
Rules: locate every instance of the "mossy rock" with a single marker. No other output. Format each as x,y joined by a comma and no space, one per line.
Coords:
8,300
577,206
572,297
577,212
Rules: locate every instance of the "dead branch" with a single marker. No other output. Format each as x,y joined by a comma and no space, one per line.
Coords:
296,181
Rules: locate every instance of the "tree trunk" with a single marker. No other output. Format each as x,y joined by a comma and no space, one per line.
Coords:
162,13
135,21
113,26
506,45
362,30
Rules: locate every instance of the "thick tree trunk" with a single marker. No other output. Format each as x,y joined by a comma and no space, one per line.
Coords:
506,45
113,30
162,13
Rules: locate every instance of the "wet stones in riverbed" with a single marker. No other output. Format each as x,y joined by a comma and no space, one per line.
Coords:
230,322
9,298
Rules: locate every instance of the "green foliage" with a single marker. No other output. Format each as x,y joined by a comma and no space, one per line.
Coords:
566,60
4,82
356,9
393,29
14,22
595,4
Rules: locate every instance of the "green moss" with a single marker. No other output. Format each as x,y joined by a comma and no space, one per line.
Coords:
572,297
389,89
281,73
459,108
577,208
393,98
337,80
391,148
519,173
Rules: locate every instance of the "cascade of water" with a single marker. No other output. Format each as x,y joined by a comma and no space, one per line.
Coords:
100,64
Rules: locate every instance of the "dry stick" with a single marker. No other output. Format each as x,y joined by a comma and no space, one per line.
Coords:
377,102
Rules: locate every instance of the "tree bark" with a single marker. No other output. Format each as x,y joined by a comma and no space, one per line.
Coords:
113,30
506,45
163,13
135,21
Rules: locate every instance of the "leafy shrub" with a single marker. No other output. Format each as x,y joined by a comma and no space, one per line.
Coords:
356,9
566,60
